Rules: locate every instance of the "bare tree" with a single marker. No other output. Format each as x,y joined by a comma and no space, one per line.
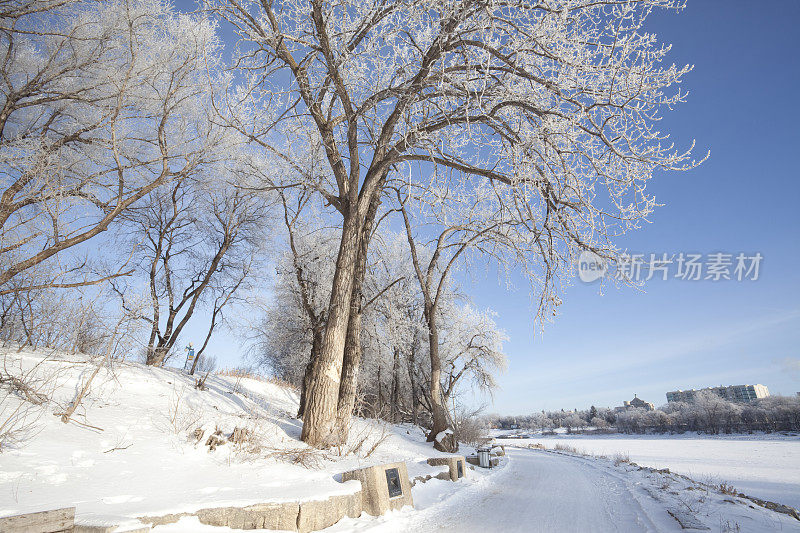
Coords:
227,293
196,244
551,106
51,318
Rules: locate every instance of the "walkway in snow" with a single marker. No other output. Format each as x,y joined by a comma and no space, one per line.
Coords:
536,492
546,492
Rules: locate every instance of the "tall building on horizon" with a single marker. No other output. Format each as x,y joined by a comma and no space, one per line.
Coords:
733,393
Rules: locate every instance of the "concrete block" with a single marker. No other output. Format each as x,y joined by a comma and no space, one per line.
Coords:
457,470
376,481
316,515
260,516
83,528
53,521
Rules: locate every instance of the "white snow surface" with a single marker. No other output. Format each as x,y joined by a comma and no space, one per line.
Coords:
128,454
442,434
766,466
544,491
137,458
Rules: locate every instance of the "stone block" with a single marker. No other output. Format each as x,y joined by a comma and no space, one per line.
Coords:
316,515
456,464
162,520
260,516
383,487
83,528
498,450
53,521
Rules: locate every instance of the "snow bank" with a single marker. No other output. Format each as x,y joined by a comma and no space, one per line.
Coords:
131,450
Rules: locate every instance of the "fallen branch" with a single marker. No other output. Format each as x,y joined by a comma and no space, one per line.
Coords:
119,448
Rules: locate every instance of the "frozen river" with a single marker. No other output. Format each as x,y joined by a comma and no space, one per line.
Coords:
764,466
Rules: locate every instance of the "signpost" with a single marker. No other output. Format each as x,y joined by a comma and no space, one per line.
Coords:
189,357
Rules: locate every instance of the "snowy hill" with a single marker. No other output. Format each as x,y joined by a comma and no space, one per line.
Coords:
145,442
138,443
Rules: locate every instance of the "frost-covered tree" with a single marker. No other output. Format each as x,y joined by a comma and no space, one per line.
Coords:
471,350
458,227
550,105
293,324
100,104
390,334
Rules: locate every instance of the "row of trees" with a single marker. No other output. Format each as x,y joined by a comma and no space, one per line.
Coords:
116,176
395,368
707,414
139,164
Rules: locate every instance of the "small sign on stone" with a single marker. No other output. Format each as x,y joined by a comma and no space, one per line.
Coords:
393,483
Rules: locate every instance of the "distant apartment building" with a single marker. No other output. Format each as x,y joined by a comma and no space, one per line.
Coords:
733,393
636,403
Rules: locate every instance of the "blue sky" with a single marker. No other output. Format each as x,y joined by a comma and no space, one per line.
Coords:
602,349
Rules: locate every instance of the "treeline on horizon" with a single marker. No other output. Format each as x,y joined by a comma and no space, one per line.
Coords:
707,414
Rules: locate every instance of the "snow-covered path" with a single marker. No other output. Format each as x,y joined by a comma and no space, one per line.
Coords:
539,492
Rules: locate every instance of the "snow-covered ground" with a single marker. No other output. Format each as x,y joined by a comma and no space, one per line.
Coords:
542,491
765,466
130,451
536,491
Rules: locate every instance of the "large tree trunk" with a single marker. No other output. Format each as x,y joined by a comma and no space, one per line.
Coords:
157,354
315,346
348,388
438,406
322,396
435,386
413,380
394,406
